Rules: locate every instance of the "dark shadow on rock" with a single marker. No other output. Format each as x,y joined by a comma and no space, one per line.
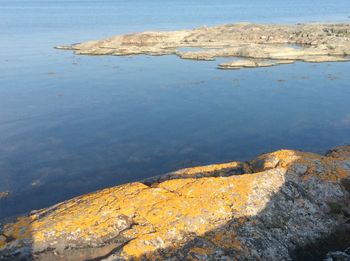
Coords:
339,240
214,170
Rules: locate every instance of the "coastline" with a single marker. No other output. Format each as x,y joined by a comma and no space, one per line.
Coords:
205,212
85,135
256,45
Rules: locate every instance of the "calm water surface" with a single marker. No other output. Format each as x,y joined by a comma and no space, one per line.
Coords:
72,124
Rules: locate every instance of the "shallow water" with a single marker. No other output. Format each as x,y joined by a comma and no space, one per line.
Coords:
72,124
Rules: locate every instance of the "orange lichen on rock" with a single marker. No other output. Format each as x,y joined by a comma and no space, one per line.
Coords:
325,169
20,230
195,206
2,241
201,251
226,239
317,166
193,216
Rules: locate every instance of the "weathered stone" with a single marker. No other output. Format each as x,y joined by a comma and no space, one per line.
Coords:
339,152
287,43
277,207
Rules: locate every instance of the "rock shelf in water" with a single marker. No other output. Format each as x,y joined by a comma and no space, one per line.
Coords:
304,42
280,206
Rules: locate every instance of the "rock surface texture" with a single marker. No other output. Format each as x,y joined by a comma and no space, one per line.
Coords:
305,42
285,205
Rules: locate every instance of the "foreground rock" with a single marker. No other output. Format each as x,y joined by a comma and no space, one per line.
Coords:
281,206
305,42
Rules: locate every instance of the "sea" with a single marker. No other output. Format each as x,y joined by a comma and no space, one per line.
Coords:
74,124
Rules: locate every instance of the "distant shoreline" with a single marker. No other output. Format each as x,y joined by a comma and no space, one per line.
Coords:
257,45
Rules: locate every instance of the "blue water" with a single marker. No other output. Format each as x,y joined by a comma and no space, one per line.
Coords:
72,124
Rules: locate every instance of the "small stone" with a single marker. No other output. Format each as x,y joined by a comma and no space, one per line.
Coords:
4,194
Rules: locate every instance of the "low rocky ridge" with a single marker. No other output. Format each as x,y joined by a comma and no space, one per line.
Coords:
285,205
305,42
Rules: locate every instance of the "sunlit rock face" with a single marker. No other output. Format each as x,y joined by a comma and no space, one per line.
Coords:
283,205
279,43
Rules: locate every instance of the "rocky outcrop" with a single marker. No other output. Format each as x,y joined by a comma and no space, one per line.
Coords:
280,206
305,42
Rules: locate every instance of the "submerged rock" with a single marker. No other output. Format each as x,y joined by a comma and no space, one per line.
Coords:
325,58
278,206
248,64
304,42
4,194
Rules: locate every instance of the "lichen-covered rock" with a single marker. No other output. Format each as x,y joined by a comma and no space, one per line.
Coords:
305,42
283,205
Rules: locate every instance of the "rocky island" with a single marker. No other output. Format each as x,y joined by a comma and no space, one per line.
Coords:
251,45
285,205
